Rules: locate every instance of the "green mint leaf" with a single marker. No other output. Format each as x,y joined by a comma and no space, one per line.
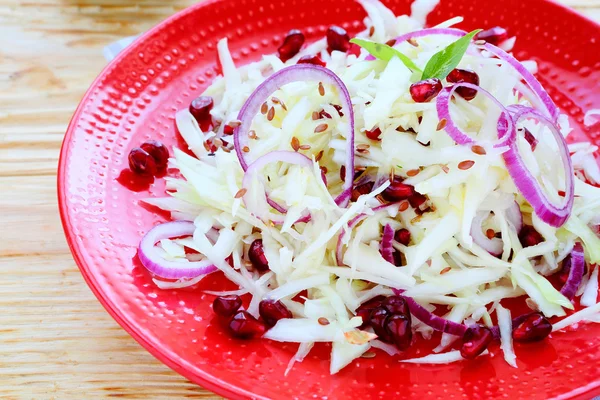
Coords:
385,53
444,61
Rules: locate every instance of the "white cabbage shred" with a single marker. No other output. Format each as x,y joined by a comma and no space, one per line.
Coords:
442,265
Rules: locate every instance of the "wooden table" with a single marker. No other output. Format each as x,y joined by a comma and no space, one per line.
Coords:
56,340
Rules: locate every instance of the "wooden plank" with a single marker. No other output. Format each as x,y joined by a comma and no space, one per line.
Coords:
56,340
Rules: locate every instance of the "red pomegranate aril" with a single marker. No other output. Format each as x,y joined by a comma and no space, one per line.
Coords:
358,191
398,328
535,328
493,36
398,191
424,91
529,236
228,130
402,236
373,134
377,320
417,200
397,255
354,49
256,253
466,76
337,39
273,311
226,306
475,340
141,162
314,60
244,326
365,309
158,151
291,45
396,305
200,108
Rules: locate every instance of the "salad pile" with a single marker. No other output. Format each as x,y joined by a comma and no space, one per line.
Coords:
367,192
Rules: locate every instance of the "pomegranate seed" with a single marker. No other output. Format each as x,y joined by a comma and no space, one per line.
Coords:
535,328
377,320
403,236
158,151
424,91
324,114
291,45
256,253
398,191
475,340
417,200
494,35
466,76
314,60
354,49
358,191
228,129
397,258
399,330
529,236
373,134
244,326
365,309
396,305
226,306
142,163
337,39
273,311
200,108
533,142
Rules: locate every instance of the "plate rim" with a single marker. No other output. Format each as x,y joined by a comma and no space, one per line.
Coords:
203,378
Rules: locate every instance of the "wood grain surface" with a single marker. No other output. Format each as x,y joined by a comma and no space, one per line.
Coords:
56,340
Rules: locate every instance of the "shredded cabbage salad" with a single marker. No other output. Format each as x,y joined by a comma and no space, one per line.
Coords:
438,222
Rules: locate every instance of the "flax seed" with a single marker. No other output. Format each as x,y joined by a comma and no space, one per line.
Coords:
323,321
245,149
264,108
403,206
295,143
445,270
464,165
442,124
305,147
321,89
478,150
271,114
319,156
240,193
321,128
413,172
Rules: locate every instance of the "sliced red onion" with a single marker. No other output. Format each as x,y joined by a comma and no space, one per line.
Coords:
505,126
576,264
151,259
493,246
553,214
515,217
423,33
298,73
430,319
550,108
289,157
385,247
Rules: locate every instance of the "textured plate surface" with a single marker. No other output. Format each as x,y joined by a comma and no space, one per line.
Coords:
135,99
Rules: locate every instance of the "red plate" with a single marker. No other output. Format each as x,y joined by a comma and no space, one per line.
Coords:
135,99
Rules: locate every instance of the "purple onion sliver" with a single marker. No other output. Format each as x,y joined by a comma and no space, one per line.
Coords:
493,246
385,247
153,262
576,262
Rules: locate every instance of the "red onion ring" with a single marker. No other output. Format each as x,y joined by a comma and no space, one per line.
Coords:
493,246
385,246
506,131
422,33
290,157
550,213
297,73
576,265
154,263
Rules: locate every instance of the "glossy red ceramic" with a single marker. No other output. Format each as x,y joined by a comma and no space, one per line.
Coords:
135,99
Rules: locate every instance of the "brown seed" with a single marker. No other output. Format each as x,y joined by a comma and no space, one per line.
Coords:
413,172
316,116
305,147
478,150
413,42
240,193
415,219
464,165
371,31
264,108
321,128
275,100
391,42
234,124
207,146
319,156
226,149
362,147
445,169
217,143
490,233
295,143
324,169
445,270
271,114
252,134
323,321
403,206
368,354
283,106
321,89
245,149
480,42
442,124
392,175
